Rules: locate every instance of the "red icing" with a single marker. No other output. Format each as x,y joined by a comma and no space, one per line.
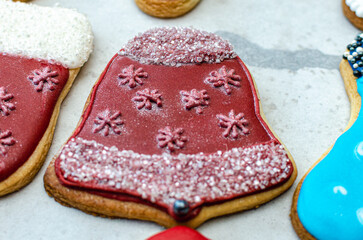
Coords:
195,99
171,139
146,97
169,81
5,105
178,233
30,119
132,77
201,130
234,124
6,140
107,121
44,78
224,77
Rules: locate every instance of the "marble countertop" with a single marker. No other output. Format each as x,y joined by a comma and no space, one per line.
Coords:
293,50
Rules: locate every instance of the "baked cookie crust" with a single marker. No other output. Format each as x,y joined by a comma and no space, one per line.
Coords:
166,8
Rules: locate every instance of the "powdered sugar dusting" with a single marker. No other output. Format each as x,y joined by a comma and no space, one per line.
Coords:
177,46
165,178
54,34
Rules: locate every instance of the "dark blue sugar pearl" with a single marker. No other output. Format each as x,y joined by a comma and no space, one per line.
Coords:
354,45
358,38
360,54
360,64
353,60
351,48
180,207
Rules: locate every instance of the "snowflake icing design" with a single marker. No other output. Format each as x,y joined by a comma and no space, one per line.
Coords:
44,76
131,77
106,121
147,97
171,139
194,98
224,77
5,105
234,124
6,139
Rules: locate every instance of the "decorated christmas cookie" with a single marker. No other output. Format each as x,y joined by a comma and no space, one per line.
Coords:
41,52
353,10
328,202
166,8
178,233
172,133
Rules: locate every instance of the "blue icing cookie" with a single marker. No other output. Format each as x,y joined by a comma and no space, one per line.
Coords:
330,201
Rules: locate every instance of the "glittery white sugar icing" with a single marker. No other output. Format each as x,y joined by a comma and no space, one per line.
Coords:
165,178
53,34
356,6
176,46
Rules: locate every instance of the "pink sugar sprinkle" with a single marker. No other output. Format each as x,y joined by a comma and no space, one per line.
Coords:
177,46
165,178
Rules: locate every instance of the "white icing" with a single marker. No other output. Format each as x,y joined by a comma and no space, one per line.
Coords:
356,6
54,34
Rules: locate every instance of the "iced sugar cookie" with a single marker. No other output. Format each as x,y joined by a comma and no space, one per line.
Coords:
41,52
172,133
328,202
353,10
166,8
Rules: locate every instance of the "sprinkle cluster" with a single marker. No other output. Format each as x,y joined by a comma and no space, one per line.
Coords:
163,179
176,46
355,55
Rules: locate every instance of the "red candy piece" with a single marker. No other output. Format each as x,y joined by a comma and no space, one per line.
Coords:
178,233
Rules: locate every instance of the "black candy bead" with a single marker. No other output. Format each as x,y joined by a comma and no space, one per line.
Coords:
351,48
354,45
358,38
180,207
360,64
344,57
360,54
357,73
353,61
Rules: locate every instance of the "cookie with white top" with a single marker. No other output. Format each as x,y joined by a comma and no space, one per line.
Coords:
353,10
41,52
172,133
